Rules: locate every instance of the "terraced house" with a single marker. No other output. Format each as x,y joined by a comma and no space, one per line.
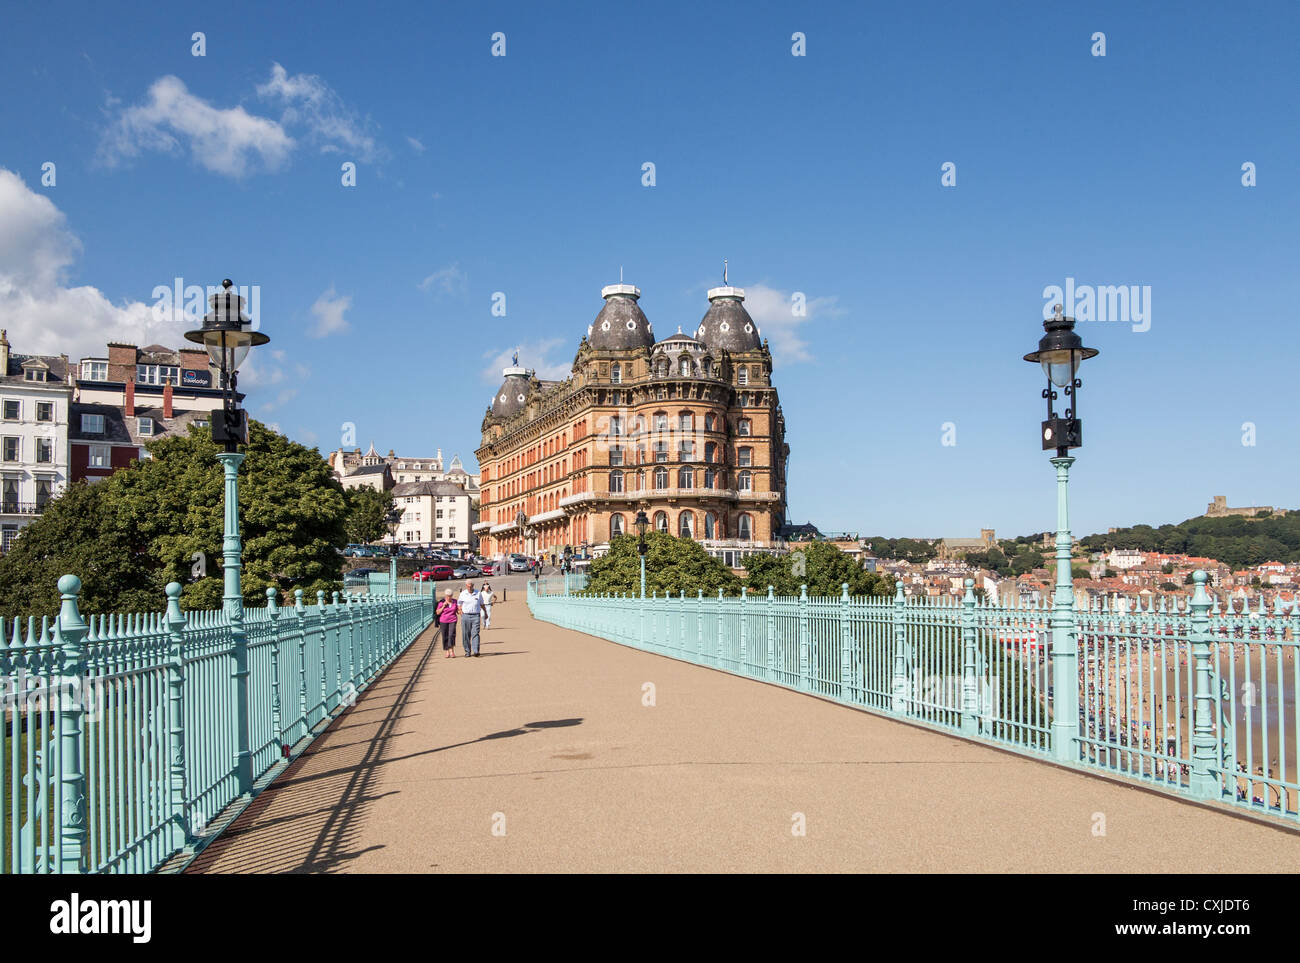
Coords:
687,428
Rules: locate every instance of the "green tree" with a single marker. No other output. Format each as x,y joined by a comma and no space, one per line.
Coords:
367,508
672,565
819,565
162,520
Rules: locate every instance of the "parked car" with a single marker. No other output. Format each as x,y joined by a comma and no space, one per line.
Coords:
519,563
359,573
434,573
467,571
354,550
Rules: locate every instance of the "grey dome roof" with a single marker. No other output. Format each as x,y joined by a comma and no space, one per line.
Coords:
727,325
513,393
621,324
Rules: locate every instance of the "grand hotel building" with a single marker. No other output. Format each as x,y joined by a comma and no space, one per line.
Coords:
688,429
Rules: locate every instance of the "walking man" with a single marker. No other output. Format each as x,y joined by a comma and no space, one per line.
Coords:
471,609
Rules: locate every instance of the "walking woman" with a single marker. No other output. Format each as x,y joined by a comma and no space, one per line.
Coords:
488,599
447,612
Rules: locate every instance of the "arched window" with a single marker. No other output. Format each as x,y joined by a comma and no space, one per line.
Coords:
685,367
744,529
686,421
615,525
661,521
742,426
744,482
710,451
661,478
685,478
661,420
710,477
616,481
661,369
686,525
710,525
744,457
708,421
616,373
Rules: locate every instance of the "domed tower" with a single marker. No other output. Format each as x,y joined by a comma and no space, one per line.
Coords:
621,325
513,393
727,326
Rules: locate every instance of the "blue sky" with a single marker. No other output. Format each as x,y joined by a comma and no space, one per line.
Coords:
817,174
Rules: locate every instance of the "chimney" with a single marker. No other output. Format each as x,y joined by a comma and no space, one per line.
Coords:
167,400
129,405
4,352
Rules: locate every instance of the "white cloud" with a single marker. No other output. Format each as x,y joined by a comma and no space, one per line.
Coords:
416,145
311,103
44,315
773,311
329,309
532,354
448,280
227,141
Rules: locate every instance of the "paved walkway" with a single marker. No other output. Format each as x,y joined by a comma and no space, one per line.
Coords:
546,736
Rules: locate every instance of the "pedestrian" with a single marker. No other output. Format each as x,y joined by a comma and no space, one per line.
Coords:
488,599
471,611
446,613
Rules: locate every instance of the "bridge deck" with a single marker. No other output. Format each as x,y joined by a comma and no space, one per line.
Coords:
548,729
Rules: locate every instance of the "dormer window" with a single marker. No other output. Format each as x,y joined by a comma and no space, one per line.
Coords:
146,426
686,367
92,424
742,375
34,373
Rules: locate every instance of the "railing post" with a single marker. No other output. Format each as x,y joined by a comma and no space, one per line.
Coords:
900,686
805,635
354,666
337,616
771,634
969,687
681,623
846,645
744,617
699,624
277,721
1206,762
320,621
301,614
177,800
71,633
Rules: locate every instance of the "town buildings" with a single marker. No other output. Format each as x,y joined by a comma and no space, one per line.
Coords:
687,428
437,514
373,470
34,399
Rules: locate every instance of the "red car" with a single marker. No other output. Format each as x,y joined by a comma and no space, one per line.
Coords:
434,573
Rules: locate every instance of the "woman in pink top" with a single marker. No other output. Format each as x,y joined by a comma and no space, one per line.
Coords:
447,612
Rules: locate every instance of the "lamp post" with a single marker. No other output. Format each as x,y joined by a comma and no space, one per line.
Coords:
521,522
641,523
393,518
227,336
1060,352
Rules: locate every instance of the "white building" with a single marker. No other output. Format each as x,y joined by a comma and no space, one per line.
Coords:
34,397
1122,558
435,513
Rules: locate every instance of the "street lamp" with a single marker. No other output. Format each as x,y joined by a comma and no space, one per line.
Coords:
393,518
227,336
1060,352
641,523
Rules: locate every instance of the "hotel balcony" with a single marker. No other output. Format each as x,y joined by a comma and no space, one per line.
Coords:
21,508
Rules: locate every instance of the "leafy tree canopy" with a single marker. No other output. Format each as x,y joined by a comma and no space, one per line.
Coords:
902,549
366,510
672,565
819,565
161,520
1235,540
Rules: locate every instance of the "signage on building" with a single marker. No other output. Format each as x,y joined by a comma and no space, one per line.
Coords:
196,379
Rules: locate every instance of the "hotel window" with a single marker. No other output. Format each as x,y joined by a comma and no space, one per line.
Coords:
34,374
686,525
661,451
92,424
744,482
615,425
685,450
94,371
451,533
45,451
742,426
200,422
9,496
661,421
742,375
616,373
146,426
710,452
12,410
686,421
616,456
44,411
615,525
744,457
7,536
98,457
685,367
44,492
708,422
439,513
616,481
157,374
661,394
661,521
710,525
710,476
744,529
12,449
661,478
438,534
685,478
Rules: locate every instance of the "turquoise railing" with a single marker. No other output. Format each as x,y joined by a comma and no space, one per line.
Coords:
1195,697
122,732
